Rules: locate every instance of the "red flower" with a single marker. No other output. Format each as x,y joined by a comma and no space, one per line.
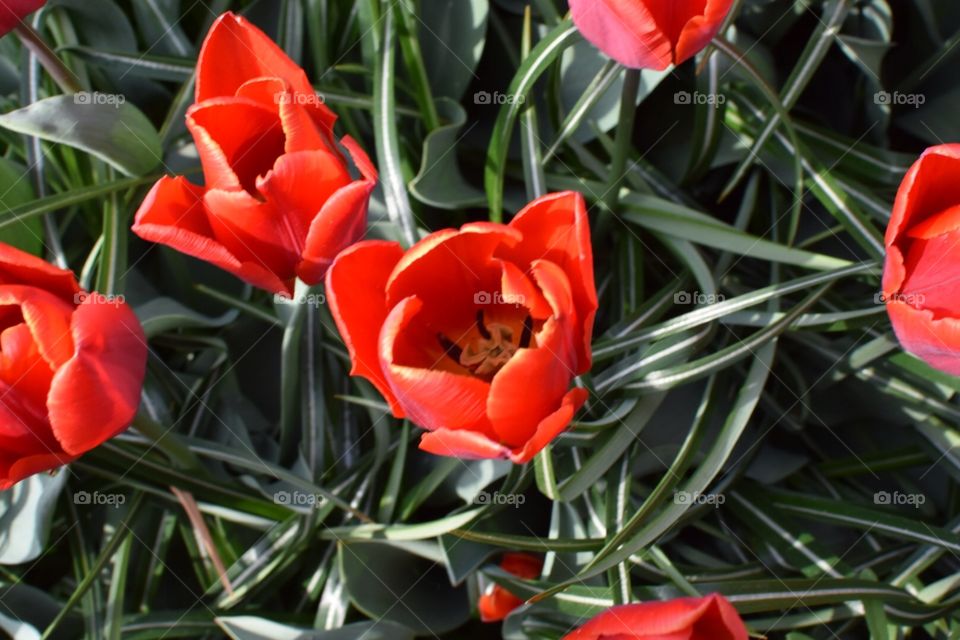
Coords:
649,34
71,367
922,270
279,201
13,11
709,618
496,603
476,334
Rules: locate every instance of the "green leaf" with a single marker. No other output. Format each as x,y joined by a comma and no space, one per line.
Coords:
440,183
389,584
104,125
26,511
15,191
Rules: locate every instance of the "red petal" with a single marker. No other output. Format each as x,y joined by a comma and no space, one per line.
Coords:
625,30
430,398
696,34
173,214
342,219
937,224
96,394
238,140
448,268
14,470
356,286
934,340
300,184
552,426
13,11
497,603
675,618
933,274
48,318
928,188
234,52
19,267
255,231
555,228
468,445
522,565
342,222
26,373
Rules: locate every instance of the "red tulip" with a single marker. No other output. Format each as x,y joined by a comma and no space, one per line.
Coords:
709,618
649,34
923,260
476,334
13,11
279,201
71,367
496,603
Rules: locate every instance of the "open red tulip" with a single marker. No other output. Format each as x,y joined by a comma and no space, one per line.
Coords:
13,11
649,34
709,618
71,367
279,201
921,279
496,603
476,334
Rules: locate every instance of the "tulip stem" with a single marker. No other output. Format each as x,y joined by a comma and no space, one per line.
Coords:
166,440
621,144
63,76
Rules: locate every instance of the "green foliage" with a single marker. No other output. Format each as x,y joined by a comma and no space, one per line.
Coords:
753,428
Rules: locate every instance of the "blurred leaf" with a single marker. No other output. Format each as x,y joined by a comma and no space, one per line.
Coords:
101,124
25,514
452,35
15,190
388,584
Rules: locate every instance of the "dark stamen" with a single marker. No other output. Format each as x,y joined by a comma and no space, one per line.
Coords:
450,347
527,334
481,327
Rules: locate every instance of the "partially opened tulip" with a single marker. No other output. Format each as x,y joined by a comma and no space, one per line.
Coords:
709,618
497,602
649,34
71,367
279,201
13,11
476,334
921,279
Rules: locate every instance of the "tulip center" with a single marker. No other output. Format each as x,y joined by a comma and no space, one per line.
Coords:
492,347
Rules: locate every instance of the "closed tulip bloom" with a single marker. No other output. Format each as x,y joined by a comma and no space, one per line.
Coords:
497,602
709,618
649,34
71,367
921,279
279,201
476,334
13,11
